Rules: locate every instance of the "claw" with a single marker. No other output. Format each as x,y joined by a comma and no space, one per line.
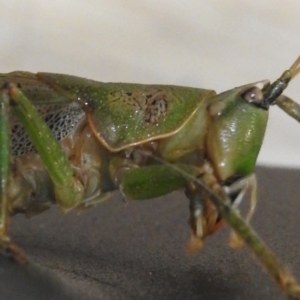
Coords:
235,242
13,251
195,244
204,222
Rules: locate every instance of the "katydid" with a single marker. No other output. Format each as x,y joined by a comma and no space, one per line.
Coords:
70,141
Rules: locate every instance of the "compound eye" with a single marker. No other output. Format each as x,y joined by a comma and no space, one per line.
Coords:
253,95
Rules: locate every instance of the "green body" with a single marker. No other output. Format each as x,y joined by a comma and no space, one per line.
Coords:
70,141
177,124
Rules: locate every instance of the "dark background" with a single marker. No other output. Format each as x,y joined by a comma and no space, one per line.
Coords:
137,250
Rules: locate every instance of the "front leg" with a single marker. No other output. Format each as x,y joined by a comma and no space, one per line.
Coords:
222,202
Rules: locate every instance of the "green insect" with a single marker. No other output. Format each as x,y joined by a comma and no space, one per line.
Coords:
70,141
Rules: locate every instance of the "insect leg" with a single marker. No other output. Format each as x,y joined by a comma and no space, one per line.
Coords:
5,243
222,202
241,187
153,181
68,190
203,218
276,269
4,162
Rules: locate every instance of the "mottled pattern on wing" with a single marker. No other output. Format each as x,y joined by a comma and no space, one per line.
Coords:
150,103
129,114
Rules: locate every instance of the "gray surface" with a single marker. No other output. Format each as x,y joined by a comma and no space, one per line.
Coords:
136,250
